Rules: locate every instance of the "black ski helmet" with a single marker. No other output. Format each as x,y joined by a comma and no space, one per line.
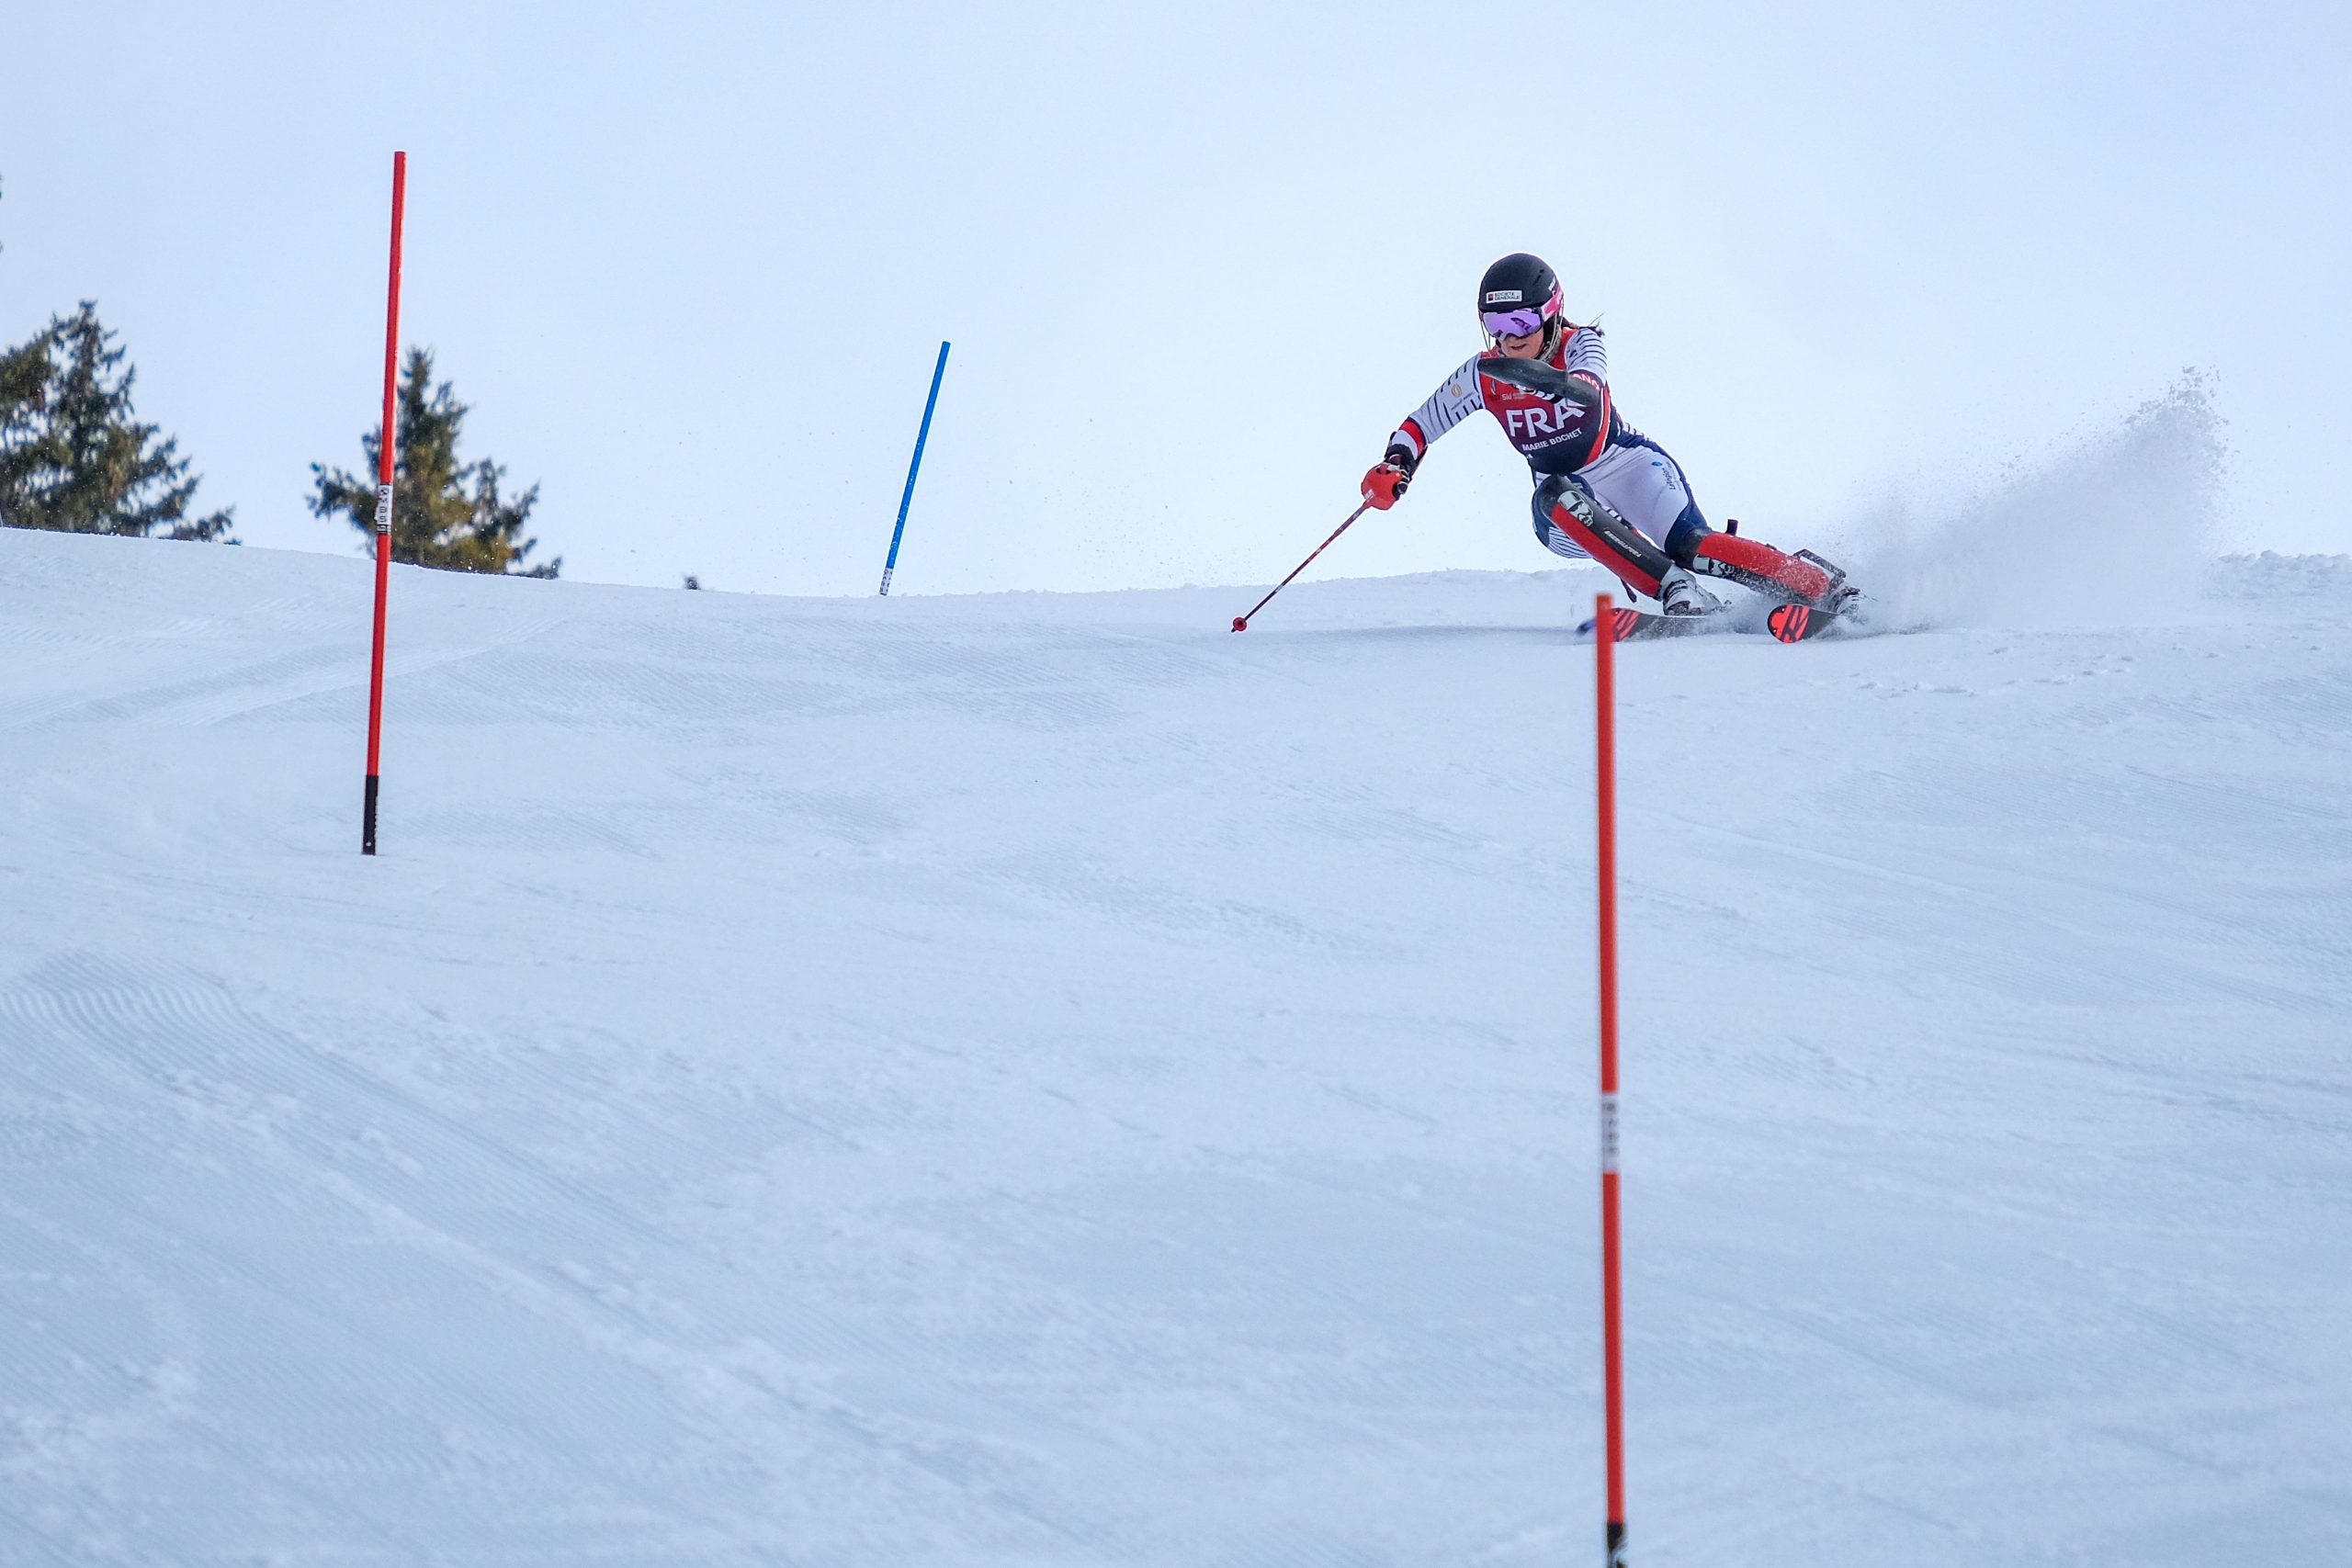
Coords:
1520,282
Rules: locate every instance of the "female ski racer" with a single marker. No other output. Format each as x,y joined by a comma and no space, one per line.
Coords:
1603,488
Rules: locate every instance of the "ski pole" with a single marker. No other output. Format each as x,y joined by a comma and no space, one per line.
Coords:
1241,623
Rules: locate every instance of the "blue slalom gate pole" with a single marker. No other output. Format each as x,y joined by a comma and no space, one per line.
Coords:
913,469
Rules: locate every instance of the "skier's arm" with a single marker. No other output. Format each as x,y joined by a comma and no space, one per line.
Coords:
1457,399
1580,381
1588,356
1454,400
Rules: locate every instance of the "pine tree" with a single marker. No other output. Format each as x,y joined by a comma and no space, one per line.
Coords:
24,396
445,514
24,399
24,385
71,457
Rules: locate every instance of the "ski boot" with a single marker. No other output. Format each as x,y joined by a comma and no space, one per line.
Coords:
1678,593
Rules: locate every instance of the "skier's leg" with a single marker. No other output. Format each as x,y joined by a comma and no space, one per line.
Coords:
1571,522
1752,563
1637,479
1634,480
1632,511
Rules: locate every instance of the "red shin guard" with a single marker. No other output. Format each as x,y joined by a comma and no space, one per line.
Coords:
1634,572
1758,565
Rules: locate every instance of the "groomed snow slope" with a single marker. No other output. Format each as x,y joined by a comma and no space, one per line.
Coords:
1045,1080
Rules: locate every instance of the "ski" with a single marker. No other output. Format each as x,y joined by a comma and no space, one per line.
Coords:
1798,623
1785,623
1641,625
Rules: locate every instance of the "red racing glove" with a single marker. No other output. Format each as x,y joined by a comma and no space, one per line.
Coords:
1385,485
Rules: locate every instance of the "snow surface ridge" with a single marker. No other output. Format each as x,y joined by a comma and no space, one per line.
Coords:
2268,576
1041,1079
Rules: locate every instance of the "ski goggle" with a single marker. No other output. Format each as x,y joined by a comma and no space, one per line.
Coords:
1522,320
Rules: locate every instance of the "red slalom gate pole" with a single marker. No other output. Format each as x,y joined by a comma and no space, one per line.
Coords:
1241,623
388,446
1611,1344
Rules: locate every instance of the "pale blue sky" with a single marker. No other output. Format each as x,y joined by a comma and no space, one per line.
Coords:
692,270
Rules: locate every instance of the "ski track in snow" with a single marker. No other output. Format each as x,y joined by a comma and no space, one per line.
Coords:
1036,1079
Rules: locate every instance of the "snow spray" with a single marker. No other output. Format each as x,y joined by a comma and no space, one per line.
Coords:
907,498
385,449
1605,800
2112,525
